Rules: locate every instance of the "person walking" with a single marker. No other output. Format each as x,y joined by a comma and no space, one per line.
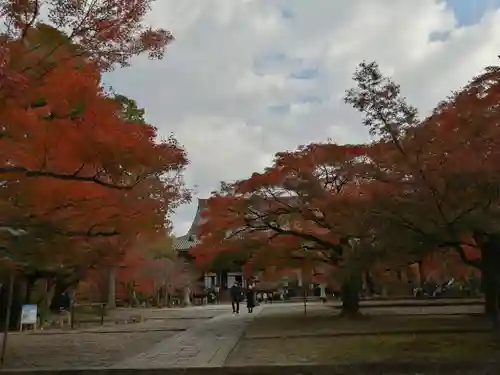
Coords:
217,294
235,293
250,298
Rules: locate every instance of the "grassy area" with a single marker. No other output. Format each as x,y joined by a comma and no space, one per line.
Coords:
279,326
84,315
444,347
324,337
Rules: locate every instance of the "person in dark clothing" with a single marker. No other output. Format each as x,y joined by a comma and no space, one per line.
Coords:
60,303
250,298
235,293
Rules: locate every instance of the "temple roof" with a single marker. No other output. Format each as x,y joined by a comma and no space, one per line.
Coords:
185,242
198,220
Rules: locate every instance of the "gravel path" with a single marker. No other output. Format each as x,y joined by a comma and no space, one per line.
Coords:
185,334
102,346
79,349
205,345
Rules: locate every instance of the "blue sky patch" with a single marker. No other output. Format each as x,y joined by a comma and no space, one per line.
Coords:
279,109
269,58
261,62
470,12
287,13
439,35
311,99
306,73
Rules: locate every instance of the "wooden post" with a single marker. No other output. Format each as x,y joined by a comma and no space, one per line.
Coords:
7,317
112,287
305,299
103,309
72,312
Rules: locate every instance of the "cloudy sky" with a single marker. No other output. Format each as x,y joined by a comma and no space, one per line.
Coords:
248,78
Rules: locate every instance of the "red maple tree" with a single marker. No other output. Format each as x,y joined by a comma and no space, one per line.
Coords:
157,280
72,164
394,202
300,211
79,179
109,32
440,174
64,52
70,147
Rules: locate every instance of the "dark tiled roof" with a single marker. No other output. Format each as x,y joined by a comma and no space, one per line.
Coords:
184,243
198,220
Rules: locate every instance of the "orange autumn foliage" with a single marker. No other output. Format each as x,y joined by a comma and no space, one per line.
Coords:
80,179
423,188
440,173
146,274
108,32
293,213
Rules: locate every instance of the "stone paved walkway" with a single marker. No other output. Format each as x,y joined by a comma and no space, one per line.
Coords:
208,344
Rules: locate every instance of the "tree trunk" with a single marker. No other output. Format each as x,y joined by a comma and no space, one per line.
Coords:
421,276
17,303
30,283
349,295
370,285
135,299
490,276
112,288
44,306
187,295
491,300
128,289
168,299
158,295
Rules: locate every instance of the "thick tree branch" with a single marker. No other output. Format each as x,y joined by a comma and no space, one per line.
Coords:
458,247
88,233
69,177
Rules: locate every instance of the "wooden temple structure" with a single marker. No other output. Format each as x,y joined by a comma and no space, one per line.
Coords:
222,277
226,274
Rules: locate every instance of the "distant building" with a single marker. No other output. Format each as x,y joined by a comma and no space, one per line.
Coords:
432,267
222,278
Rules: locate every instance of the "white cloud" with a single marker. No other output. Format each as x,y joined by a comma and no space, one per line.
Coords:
233,89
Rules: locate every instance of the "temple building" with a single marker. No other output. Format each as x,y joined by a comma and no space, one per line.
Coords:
226,273
223,277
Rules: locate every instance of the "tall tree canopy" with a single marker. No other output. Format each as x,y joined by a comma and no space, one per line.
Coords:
75,163
441,173
82,173
300,211
108,32
421,187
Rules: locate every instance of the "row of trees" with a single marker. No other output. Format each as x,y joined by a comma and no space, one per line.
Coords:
83,176
423,186
154,273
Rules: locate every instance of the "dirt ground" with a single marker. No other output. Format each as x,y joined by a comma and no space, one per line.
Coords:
96,346
330,324
68,350
323,337
324,350
279,334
